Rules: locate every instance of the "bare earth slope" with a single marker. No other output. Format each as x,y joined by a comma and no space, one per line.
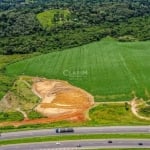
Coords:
60,99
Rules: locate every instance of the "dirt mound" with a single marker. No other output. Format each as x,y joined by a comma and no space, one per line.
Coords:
60,100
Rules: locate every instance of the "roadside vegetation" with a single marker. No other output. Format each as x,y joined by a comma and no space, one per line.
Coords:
114,114
34,115
11,116
101,115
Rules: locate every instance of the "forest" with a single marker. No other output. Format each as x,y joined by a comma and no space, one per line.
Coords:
89,20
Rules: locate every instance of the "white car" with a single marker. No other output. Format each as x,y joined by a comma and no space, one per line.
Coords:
57,143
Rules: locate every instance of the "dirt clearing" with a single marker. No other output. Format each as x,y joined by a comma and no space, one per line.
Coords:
61,99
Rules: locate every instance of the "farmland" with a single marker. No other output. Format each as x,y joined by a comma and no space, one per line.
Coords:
51,17
109,70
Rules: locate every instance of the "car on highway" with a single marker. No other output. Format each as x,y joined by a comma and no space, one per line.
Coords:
57,143
64,130
79,145
109,141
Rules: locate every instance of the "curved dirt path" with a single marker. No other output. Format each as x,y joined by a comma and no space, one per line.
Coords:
23,113
134,110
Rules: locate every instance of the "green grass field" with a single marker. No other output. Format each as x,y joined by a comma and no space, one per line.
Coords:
47,18
108,69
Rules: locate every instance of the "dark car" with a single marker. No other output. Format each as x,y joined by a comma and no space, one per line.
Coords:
64,130
140,143
109,141
78,145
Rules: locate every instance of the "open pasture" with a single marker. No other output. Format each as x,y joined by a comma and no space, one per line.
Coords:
53,17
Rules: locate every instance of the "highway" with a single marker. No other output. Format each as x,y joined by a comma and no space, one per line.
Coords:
84,144
77,130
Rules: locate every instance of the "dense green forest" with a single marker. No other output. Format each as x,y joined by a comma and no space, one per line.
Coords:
88,20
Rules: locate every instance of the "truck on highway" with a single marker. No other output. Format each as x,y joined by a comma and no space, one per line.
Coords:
64,130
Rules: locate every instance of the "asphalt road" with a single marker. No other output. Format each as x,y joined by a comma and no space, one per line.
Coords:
77,130
85,144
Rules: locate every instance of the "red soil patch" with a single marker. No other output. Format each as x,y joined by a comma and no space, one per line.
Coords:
61,99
